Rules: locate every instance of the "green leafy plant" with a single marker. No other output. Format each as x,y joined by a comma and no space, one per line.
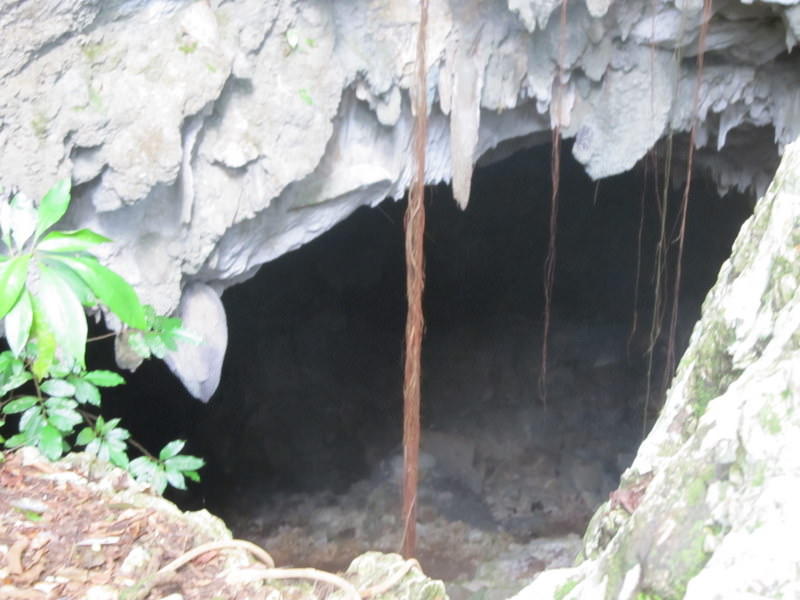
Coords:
48,280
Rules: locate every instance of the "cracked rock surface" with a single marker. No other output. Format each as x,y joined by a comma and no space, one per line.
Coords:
207,138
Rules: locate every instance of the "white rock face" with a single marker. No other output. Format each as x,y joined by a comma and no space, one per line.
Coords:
200,366
207,138
724,455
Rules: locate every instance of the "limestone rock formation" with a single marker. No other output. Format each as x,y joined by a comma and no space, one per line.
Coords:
209,137
704,510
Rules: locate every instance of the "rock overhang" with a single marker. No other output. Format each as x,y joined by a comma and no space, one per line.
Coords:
209,138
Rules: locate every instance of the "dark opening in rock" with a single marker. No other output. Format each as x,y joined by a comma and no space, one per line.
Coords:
303,436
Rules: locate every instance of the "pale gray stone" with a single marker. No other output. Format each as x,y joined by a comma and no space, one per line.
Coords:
199,366
208,138
724,454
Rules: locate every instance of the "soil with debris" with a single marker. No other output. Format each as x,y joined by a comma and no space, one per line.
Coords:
79,529
65,533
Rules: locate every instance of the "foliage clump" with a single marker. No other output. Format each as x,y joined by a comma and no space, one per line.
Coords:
48,280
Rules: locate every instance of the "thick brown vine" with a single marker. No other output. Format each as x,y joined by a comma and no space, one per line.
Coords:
415,284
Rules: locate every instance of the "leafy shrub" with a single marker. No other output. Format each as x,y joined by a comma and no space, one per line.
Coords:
48,279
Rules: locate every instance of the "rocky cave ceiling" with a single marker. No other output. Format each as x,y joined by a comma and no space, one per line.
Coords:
210,138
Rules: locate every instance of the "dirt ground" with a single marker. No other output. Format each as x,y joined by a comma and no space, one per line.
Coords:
69,531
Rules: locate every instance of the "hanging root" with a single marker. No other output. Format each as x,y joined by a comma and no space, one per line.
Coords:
415,284
669,365
665,239
555,178
637,281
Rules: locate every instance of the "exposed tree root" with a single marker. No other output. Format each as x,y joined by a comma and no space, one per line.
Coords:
257,551
249,575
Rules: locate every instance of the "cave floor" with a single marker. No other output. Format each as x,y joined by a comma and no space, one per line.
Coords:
507,483
507,486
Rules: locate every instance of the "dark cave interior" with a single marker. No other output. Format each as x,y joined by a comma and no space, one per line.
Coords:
310,397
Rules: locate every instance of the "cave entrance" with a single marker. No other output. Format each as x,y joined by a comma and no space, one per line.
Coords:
303,436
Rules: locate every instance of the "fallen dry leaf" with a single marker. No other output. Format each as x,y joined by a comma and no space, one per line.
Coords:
14,555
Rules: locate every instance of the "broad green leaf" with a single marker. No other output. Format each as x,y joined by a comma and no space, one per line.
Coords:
103,378
119,458
102,427
64,419
193,475
115,446
18,323
85,392
50,442
56,403
85,436
156,344
19,439
61,369
168,341
58,387
8,361
64,408
175,479
13,274
72,279
150,315
171,328
184,335
166,323
23,220
70,241
19,405
62,311
109,287
31,420
137,343
142,467
93,447
13,373
14,382
102,450
184,462
53,206
158,481
171,449
45,344
117,435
